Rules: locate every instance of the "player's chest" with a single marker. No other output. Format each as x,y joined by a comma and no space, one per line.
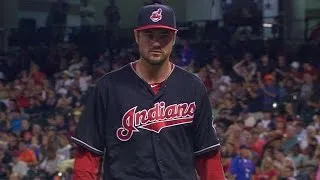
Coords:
138,112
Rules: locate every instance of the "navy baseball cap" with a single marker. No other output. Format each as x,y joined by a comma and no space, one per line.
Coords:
156,16
244,147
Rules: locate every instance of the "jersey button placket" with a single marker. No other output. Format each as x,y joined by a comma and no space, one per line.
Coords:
158,154
157,143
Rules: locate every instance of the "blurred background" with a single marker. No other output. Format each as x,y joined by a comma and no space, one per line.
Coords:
259,60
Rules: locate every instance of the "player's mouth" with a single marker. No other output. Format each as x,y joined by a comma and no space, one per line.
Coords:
156,52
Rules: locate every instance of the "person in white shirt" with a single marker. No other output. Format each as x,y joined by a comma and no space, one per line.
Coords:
65,148
19,168
84,81
68,79
310,133
51,162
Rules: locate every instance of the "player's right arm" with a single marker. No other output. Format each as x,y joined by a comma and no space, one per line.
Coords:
90,137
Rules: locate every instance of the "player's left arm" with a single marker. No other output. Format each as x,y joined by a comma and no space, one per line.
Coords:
206,144
209,166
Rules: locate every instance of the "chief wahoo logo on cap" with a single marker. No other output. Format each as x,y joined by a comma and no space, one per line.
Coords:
156,15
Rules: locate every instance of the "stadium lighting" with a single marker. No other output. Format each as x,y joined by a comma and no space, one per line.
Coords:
267,25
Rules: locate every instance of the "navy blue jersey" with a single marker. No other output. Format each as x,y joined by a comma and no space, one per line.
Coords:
143,135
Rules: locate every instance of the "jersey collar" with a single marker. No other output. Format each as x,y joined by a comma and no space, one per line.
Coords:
133,67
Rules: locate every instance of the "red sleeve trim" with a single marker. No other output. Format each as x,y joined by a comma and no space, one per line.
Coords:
209,166
86,165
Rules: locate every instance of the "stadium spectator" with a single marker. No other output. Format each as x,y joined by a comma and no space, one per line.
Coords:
242,166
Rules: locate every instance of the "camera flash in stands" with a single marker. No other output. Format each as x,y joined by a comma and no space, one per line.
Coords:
60,174
295,97
274,105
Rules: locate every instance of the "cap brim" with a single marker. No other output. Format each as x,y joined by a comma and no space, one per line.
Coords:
155,27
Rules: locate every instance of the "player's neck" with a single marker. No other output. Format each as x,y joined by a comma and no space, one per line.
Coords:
153,73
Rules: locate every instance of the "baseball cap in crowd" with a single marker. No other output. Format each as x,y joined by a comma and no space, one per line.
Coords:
244,147
156,16
268,77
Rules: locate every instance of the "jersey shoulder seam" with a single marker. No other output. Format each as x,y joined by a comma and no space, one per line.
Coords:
87,146
204,150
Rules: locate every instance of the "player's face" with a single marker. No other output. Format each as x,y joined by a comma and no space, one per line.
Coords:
155,45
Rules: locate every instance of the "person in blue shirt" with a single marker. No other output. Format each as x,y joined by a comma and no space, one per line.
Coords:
15,121
186,54
242,167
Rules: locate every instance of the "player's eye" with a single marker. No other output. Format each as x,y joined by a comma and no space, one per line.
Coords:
148,35
151,36
164,35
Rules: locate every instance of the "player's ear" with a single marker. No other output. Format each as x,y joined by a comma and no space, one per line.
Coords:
174,38
136,36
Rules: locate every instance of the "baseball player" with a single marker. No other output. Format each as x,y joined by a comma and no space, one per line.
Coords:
150,119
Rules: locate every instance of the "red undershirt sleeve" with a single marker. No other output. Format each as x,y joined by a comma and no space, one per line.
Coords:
209,166
87,165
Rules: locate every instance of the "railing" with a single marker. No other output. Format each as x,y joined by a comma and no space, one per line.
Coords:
2,39
298,34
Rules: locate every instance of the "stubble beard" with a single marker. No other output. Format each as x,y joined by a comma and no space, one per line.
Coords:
155,62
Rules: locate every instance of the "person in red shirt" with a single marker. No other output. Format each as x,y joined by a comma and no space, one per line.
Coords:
36,75
267,170
27,155
309,69
23,99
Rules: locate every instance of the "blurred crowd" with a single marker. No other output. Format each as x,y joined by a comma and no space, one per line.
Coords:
266,112
265,105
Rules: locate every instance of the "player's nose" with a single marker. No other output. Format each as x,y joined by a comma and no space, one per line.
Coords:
155,42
